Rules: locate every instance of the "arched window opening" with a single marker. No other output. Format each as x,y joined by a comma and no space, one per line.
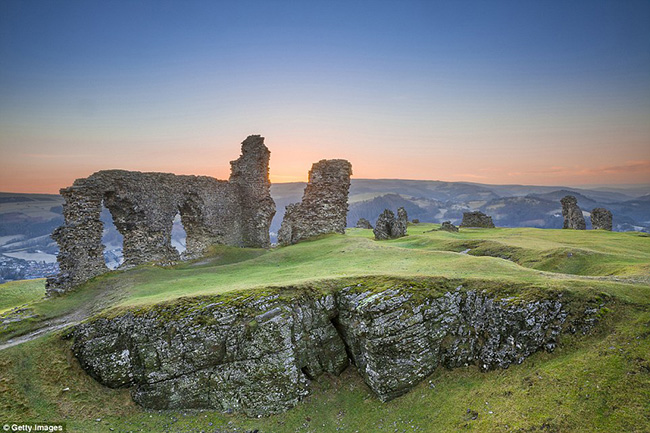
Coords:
112,240
179,236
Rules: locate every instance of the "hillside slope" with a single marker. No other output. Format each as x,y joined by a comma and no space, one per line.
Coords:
595,382
26,220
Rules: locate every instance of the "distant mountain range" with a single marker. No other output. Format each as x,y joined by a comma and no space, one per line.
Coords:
26,220
509,205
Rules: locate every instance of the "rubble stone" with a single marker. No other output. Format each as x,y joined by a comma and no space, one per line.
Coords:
601,218
389,227
363,224
477,220
448,227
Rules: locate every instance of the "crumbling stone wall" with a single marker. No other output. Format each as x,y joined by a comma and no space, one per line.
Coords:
389,227
143,206
363,224
324,205
573,218
448,227
601,218
477,219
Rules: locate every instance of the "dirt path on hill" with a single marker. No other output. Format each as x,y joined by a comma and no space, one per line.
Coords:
109,295
48,327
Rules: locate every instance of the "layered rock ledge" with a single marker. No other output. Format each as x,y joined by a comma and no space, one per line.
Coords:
257,352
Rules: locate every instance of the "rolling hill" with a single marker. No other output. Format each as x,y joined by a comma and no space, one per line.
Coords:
597,381
26,220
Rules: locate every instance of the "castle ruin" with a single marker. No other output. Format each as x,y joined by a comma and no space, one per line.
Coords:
236,212
390,227
477,220
324,205
573,218
601,219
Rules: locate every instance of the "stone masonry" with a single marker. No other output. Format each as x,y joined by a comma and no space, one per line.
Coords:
573,218
448,227
389,227
363,224
601,218
143,205
324,204
477,220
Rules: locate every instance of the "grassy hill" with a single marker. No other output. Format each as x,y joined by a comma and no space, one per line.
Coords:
599,382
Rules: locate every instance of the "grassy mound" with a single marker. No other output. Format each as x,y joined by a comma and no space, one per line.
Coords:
596,383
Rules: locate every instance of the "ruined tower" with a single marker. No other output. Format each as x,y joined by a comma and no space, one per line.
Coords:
573,218
601,218
324,204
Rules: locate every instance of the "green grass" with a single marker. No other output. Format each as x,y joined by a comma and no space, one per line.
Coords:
595,383
616,263
17,293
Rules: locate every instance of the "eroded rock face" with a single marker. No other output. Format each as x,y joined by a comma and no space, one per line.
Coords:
448,227
324,205
143,206
573,218
363,224
477,220
389,227
257,354
601,219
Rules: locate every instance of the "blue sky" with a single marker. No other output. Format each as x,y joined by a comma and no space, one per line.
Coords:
544,92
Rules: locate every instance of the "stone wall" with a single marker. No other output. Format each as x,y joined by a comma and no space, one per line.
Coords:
363,224
390,227
324,205
143,206
477,220
573,218
601,218
257,355
448,227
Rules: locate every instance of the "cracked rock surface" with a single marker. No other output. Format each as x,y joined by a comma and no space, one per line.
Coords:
256,354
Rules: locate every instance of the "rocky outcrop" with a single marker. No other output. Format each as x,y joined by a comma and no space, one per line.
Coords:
363,224
477,220
143,206
601,219
573,218
256,354
389,227
324,205
448,227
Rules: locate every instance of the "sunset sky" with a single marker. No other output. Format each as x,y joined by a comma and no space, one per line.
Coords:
526,92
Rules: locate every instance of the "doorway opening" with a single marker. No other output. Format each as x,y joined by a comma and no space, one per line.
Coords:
112,240
179,235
